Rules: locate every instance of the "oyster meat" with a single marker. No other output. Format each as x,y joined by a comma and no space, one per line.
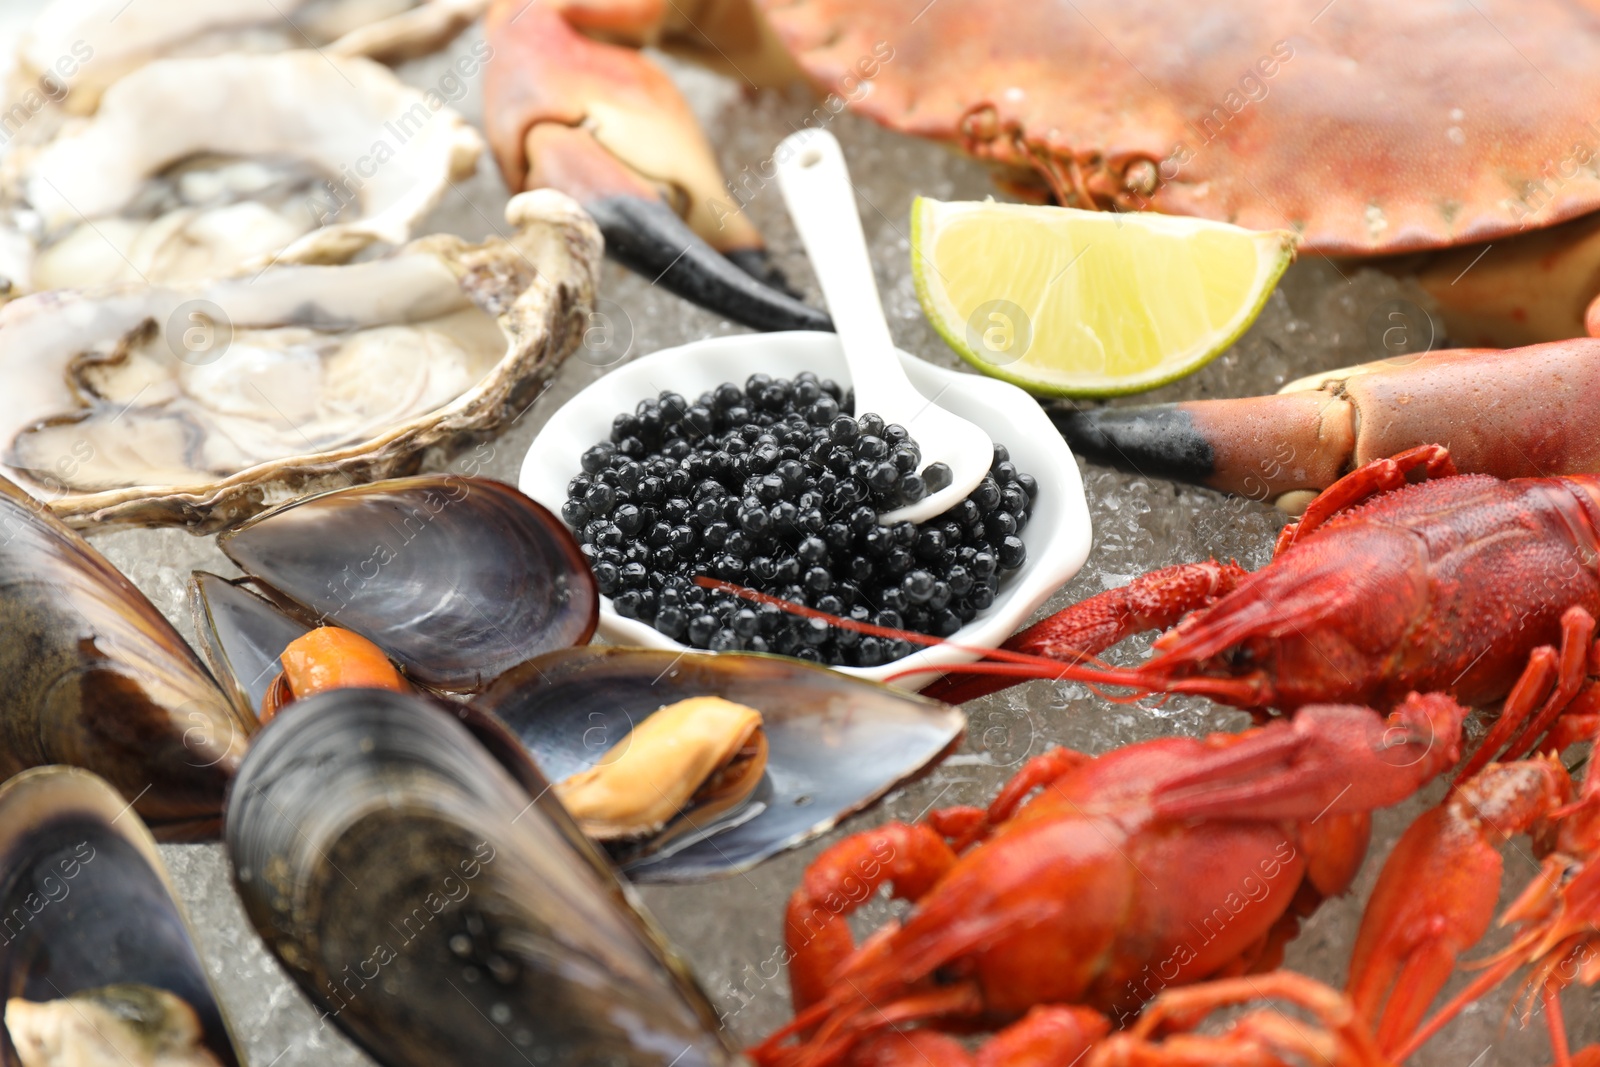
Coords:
128,1025
192,168
114,37
202,405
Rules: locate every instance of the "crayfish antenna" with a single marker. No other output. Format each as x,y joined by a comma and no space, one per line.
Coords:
1253,691
1153,601
1038,664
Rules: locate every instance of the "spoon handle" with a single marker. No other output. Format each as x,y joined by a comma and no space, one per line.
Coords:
816,187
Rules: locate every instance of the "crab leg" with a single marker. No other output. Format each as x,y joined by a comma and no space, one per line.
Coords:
1514,414
602,123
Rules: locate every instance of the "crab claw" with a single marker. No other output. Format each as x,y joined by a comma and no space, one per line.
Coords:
603,124
1495,408
1234,445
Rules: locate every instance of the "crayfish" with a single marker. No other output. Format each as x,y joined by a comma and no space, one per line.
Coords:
1436,896
1466,588
1483,588
1180,861
1160,863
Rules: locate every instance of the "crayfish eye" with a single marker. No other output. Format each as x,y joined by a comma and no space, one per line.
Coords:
1240,656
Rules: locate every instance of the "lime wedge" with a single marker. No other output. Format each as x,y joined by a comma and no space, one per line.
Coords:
1066,302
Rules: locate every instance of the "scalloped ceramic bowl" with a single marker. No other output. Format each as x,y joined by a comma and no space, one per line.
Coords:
1057,536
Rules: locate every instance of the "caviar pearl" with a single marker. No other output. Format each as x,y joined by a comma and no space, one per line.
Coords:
778,486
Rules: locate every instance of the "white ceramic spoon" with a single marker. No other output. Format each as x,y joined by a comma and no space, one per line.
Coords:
816,186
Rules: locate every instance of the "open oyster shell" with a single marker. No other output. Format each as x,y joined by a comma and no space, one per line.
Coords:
203,405
109,38
192,168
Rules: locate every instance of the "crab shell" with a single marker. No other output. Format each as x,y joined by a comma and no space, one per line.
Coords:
1364,126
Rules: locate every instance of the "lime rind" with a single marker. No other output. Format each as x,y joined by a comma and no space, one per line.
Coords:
1275,251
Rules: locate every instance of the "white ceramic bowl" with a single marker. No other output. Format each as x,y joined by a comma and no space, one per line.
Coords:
1057,536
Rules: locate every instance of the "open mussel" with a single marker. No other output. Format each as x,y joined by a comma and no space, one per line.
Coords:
242,635
833,743
98,964
455,578
440,909
92,675
684,767
266,658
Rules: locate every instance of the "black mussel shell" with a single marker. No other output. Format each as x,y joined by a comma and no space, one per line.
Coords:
92,675
456,578
438,911
835,743
242,635
85,902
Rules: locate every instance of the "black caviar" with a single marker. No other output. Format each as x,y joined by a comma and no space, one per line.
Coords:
777,487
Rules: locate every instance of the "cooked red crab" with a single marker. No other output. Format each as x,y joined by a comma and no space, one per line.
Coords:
1368,127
